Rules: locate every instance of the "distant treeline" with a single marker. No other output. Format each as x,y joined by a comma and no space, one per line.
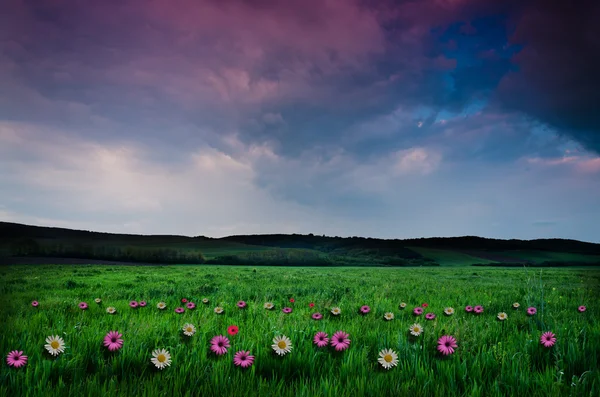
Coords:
539,264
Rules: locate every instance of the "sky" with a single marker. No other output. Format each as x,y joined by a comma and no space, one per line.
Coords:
389,119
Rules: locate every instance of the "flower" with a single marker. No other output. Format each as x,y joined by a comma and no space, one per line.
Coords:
269,305
446,345
161,358
388,358
83,305
402,306
340,341
336,311
317,316
113,340
429,316
161,305
287,310
55,345
388,316
311,305
581,309
516,305
282,345
365,309
243,359
416,329
218,310
417,311
468,309
133,304
233,330
143,303
548,339
478,309
179,310
219,345
321,339
531,311
16,359
35,303
241,304
205,301
183,300
98,300
189,329
292,300
111,310
502,316
424,305
449,311
191,305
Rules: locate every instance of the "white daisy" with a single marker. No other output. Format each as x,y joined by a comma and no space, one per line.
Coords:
269,305
416,329
388,316
336,311
189,329
161,305
218,310
402,305
98,300
161,358
111,310
282,345
55,345
516,305
388,358
205,301
449,311
502,316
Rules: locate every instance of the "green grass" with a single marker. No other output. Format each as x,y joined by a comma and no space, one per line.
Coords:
492,359
448,257
543,256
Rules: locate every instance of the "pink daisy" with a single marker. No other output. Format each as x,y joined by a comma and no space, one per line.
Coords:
287,310
365,309
16,359
241,304
531,311
191,305
35,303
548,339
133,304
468,309
317,316
321,339
219,345
113,340
581,309
424,305
446,345
143,303
340,341
179,310
478,309
83,305
243,359
430,316
417,311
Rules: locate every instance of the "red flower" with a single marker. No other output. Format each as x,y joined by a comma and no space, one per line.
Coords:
424,305
233,330
292,300
311,305
183,300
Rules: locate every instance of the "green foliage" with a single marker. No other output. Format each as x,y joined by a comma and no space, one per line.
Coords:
493,358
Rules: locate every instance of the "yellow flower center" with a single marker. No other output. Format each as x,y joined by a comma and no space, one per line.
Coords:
282,344
189,329
55,344
161,358
388,358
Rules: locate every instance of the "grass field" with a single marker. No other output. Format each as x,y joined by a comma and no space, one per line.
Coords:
449,258
492,358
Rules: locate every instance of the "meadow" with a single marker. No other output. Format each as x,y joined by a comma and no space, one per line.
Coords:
492,358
